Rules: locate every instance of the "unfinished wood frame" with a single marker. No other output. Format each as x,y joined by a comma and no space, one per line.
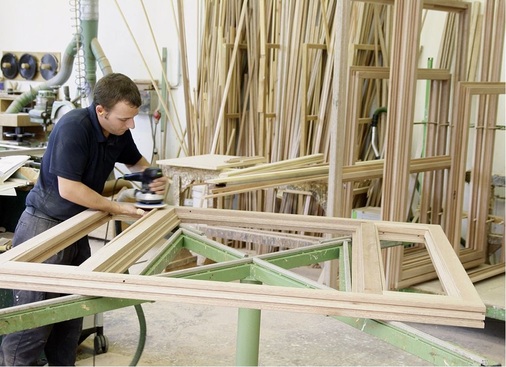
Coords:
414,264
102,274
437,133
474,252
404,54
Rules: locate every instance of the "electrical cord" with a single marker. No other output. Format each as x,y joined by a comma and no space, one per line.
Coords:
138,308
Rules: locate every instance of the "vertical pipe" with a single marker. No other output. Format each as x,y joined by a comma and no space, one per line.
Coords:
248,334
164,114
89,25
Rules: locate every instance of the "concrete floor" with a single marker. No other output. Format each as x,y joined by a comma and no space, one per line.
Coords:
189,335
196,335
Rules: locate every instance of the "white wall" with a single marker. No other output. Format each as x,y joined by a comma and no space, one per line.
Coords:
48,26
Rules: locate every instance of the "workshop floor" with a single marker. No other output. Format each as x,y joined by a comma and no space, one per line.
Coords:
184,335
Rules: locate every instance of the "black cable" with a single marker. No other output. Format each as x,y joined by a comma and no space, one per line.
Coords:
138,308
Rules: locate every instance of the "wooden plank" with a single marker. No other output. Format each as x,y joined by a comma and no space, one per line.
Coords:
16,120
203,161
406,40
360,171
121,252
388,306
46,244
368,274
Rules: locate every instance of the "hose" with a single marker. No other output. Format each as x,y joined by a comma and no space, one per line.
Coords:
102,60
138,308
142,336
374,126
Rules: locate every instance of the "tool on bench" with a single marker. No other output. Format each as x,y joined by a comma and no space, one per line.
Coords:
145,198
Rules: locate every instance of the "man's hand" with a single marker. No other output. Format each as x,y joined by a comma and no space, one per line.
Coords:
159,185
130,210
79,193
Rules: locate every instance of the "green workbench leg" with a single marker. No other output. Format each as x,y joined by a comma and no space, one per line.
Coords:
248,334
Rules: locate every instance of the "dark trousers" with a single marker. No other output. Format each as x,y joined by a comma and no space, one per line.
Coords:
58,341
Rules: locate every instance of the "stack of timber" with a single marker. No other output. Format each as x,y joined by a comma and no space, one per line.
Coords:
279,61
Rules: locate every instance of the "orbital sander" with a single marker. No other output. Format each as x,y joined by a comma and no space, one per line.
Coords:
144,197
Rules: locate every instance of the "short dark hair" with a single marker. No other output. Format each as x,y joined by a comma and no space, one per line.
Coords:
115,87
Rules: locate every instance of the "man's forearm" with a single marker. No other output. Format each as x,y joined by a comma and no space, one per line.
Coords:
80,194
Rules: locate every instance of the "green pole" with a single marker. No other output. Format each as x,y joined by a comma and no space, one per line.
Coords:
164,89
248,334
89,25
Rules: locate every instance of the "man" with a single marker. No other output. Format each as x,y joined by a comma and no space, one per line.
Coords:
82,150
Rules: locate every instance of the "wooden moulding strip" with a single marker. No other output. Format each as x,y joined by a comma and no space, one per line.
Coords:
381,72
120,253
486,272
296,172
237,218
138,247
401,98
440,5
368,274
388,306
48,243
233,163
238,189
296,162
450,271
406,39
359,171
328,78
277,239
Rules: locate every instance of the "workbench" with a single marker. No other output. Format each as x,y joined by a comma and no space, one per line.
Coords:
186,172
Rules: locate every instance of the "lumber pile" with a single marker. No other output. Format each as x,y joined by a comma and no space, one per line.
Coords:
265,79
272,99
267,88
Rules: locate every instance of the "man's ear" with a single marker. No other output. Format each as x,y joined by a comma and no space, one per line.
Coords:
100,110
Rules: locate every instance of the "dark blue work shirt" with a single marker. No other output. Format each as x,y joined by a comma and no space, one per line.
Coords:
78,150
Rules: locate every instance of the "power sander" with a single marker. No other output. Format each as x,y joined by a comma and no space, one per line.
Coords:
145,197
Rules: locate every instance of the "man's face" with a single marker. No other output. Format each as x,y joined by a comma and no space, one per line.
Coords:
117,120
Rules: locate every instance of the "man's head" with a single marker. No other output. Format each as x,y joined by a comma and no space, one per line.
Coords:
117,100
114,88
